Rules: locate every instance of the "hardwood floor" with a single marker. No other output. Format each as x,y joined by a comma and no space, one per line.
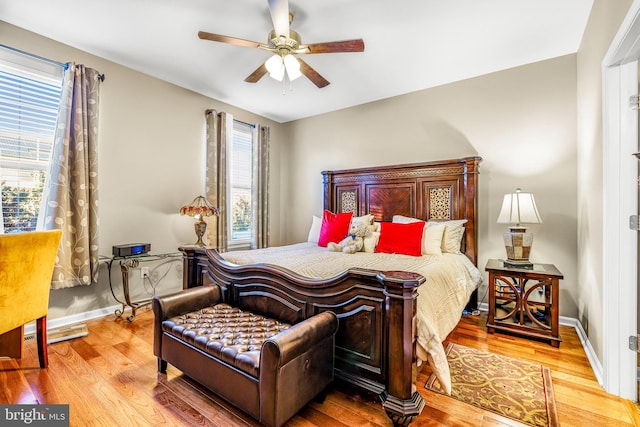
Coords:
109,378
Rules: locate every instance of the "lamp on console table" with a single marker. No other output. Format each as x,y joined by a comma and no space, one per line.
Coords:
519,208
199,208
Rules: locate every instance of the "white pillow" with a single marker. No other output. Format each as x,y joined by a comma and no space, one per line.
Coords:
314,231
453,233
364,218
401,219
432,239
370,242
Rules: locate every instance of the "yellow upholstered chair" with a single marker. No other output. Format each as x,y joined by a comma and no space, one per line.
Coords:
26,268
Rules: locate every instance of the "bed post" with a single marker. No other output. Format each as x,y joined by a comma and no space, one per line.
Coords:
471,230
471,203
328,189
190,273
400,399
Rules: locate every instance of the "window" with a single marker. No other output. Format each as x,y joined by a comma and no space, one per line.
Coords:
240,184
30,91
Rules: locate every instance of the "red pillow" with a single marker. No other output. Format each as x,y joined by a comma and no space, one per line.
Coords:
335,227
397,238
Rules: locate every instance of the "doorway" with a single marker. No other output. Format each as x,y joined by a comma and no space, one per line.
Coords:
620,201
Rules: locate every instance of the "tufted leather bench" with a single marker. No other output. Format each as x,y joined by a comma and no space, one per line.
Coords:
226,332
264,366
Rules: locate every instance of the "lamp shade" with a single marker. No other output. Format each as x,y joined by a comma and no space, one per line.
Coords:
275,67
199,207
293,67
519,208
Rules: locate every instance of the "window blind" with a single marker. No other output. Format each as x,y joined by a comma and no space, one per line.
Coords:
240,170
30,91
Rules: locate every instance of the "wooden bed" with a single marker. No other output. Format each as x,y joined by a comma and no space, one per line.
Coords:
375,343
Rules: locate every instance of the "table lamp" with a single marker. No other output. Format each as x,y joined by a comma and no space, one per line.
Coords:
199,208
518,208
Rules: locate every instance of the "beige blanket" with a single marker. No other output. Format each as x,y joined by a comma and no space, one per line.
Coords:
450,280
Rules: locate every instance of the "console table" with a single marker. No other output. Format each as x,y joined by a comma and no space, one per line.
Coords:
126,264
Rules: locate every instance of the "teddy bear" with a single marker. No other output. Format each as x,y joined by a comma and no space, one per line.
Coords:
354,241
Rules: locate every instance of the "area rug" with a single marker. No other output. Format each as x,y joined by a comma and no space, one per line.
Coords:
512,388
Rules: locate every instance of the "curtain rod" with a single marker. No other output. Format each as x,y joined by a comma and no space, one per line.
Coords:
51,61
209,111
101,76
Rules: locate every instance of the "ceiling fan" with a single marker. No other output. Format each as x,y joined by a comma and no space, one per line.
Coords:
286,45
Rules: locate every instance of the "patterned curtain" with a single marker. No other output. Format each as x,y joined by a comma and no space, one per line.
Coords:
260,196
70,199
218,137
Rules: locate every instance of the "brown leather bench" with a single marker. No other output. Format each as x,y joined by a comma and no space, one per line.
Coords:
267,367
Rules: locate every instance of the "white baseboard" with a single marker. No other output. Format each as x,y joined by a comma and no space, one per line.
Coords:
596,366
584,340
30,328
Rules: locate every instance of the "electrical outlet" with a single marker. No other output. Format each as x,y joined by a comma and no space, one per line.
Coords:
144,272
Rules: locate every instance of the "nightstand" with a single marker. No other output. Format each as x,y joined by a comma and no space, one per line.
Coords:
524,300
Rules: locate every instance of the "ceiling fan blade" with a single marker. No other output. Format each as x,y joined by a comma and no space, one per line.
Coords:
355,45
312,74
279,10
226,39
257,74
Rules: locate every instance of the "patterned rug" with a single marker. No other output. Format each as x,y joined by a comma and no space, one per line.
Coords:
512,388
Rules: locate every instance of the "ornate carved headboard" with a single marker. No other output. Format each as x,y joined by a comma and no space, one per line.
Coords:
438,190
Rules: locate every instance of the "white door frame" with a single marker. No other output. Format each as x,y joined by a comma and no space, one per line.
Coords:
620,198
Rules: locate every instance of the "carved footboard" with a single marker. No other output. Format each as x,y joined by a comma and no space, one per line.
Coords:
375,342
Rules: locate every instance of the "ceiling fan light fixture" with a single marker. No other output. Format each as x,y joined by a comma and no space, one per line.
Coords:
275,67
293,67
278,75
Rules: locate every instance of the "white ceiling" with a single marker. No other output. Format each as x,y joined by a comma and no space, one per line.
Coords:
409,44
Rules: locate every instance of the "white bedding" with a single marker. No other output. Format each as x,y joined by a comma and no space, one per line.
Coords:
450,280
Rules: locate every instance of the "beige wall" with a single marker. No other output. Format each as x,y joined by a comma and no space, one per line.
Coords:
151,161
605,19
522,122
